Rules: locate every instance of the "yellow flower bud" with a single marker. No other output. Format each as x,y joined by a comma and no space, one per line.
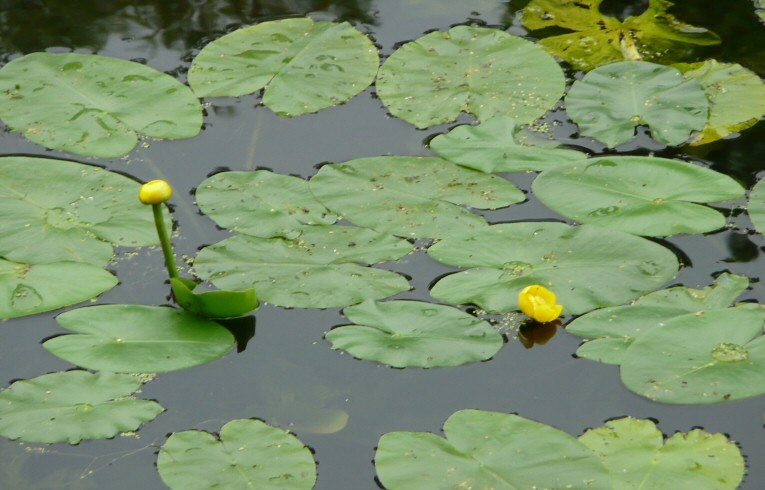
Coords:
538,302
155,192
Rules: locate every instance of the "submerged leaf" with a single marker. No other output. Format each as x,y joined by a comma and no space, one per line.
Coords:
94,105
73,406
248,454
485,72
414,334
304,65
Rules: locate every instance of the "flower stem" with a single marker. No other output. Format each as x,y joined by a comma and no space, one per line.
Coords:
164,240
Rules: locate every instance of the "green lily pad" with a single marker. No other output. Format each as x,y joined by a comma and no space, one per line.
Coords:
597,39
94,105
261,203
610,101
73,406
493,146
641,195
485,72
138,339
319,269
636,455
26,289
304,65
756,207
247,454
488,450
213,304
612,330
587,267
56,210
411,196
703,358
736,96
415,334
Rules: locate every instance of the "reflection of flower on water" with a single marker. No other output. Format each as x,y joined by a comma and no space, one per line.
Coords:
538,303
531,333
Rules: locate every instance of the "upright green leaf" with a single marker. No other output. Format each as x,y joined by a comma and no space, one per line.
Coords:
587,267
410,196
138,339
756,207
636,455
94,105
487,450
73,406
415,334
610,101
247,454
640,195
485,72
303,65
493,146
261,203
318,269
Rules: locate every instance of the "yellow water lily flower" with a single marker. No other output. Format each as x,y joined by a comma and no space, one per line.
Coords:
538,302
155,192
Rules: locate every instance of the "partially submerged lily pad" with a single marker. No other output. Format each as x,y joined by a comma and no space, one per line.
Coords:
94,105
415,334
303,65
73,406
493,146
418,197
247,454
586,266
485,72
611,101
646,196
319,269
756,207
138,339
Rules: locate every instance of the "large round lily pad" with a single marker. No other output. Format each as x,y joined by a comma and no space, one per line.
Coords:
587,267
415,334
711,357
640,195
319,269
487,450
247,454
94,105
610,101
485,72
411,196
138,339
26,289
304,65
73,406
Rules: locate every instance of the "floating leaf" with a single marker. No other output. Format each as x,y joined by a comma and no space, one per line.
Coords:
488,450
654,35
304,65
26,289
756,208
212,304
700,358
636,455
613,330
94,105
55,210
410,196
319,269
247,454
485,72
415,334
261,203
640,195
73,406
493,146
138,339
610,101
587,267
736,95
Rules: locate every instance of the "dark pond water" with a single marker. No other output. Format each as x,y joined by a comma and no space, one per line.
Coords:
288,375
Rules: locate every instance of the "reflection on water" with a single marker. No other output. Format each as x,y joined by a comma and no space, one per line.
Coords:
535,333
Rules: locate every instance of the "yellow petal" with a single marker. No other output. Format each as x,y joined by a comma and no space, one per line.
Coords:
538,303
155,192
